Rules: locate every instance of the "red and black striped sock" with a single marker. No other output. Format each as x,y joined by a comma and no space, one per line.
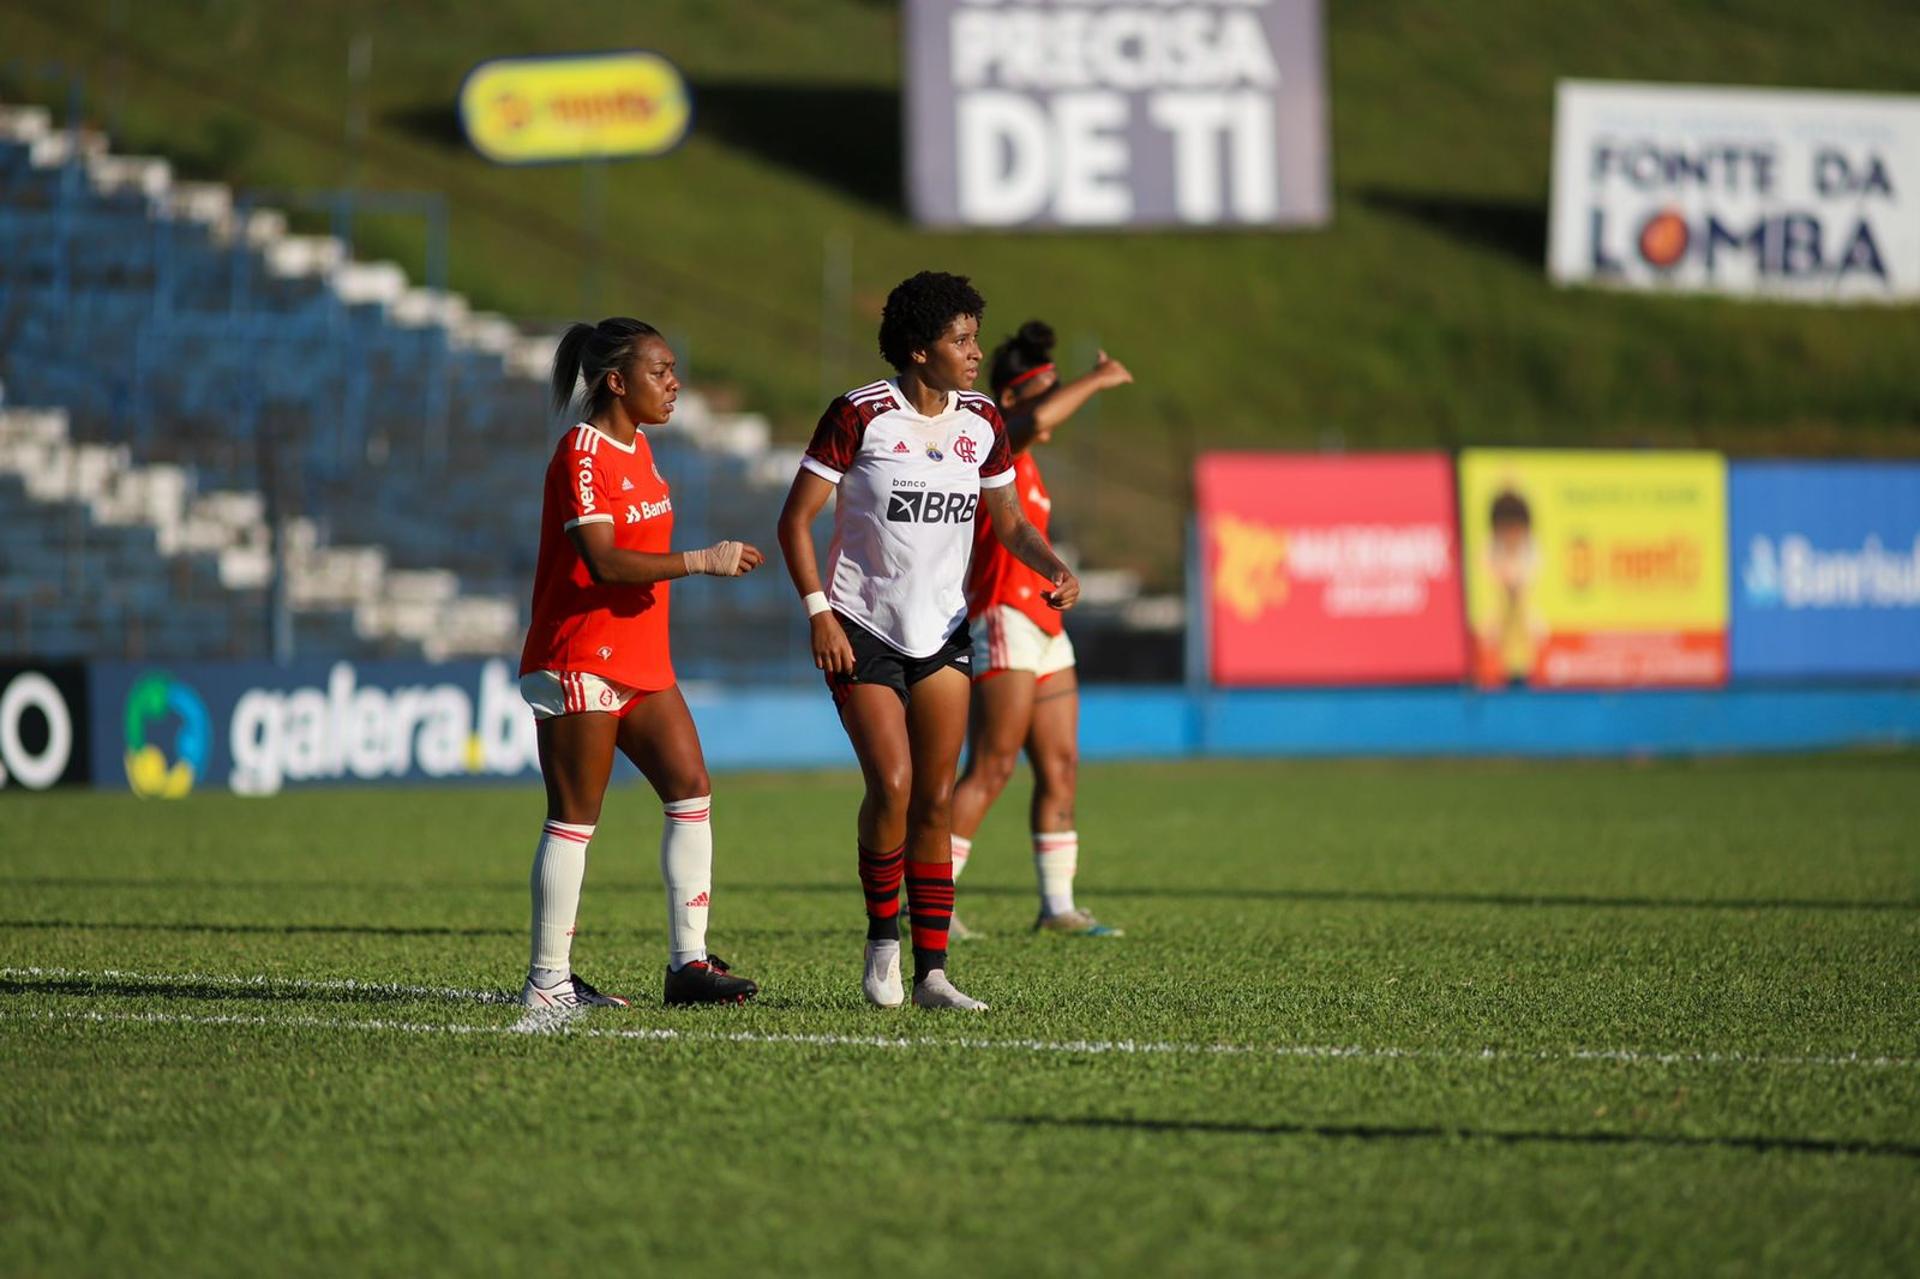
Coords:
930,898
880,876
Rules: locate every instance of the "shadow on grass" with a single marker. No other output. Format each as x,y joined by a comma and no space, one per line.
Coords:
1505,1137
1412,897
842,136
265,992
849,887
365,930
197,926
1513,228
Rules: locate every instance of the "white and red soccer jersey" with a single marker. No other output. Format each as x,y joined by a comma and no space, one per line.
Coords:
617,632
995,576
903,522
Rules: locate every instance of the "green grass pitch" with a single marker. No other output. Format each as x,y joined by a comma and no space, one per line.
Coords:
1409,1018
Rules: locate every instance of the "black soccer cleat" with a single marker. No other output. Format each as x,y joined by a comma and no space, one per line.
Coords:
707,981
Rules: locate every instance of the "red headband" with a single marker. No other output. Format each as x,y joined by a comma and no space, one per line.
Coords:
1031,373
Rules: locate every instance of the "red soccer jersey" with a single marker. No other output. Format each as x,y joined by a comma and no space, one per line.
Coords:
995,577
616,632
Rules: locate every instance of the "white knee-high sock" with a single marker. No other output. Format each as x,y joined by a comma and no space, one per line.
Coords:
686,864
1056,855
962,849
559,866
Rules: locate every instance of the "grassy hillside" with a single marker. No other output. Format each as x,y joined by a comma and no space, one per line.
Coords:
1422,316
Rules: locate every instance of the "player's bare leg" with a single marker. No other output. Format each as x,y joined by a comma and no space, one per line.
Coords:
1002,713
576,759
936,727
659,736
1053,746
876,724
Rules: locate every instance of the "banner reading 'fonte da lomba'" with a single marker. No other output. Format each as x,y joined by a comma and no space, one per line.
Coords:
1595,569
1330,570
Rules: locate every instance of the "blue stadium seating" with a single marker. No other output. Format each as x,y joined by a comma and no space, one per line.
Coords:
177,336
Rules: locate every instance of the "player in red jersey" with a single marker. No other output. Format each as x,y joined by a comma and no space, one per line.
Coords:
597,669
909,460
1025,693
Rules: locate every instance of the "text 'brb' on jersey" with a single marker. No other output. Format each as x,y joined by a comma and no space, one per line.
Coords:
903,522
614,631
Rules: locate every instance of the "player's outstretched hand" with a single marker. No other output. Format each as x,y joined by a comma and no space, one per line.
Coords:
1065,592
725,559
831,652
1111,371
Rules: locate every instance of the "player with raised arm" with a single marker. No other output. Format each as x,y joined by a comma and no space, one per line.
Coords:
1025,693
909,460
597,669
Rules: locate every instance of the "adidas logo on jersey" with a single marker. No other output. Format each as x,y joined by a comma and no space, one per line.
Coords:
626,485
931,508
901,447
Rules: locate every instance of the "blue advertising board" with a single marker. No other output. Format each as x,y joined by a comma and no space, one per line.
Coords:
1825,566
169,729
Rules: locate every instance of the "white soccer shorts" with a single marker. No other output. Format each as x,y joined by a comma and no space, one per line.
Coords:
1005,639
552,693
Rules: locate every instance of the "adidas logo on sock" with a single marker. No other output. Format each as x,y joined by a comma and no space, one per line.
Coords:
701,900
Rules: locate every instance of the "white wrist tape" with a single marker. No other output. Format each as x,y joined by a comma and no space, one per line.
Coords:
816,602
722,559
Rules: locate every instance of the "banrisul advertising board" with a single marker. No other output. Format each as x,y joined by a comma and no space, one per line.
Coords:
1825,569
256,729
1775,193
1081,113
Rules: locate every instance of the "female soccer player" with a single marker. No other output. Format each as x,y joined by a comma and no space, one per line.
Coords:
1025,691
912,457
596,668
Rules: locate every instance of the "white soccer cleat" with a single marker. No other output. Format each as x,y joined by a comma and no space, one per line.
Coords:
569,994
935,991
882,981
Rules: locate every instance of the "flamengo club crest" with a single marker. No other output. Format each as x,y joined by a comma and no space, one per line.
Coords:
963,448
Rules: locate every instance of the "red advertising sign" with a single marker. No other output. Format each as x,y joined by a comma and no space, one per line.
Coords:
1331,570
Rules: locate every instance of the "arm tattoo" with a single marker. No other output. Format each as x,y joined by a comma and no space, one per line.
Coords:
1032,550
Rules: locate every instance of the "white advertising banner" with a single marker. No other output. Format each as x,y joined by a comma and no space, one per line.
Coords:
1095,113
1774,193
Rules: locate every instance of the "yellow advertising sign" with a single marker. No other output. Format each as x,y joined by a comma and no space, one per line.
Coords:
576,107
1595,569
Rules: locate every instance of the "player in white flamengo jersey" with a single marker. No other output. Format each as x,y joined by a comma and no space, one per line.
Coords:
911,459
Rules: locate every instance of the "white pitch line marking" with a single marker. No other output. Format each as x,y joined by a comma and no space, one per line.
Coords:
1116,1047
344,986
